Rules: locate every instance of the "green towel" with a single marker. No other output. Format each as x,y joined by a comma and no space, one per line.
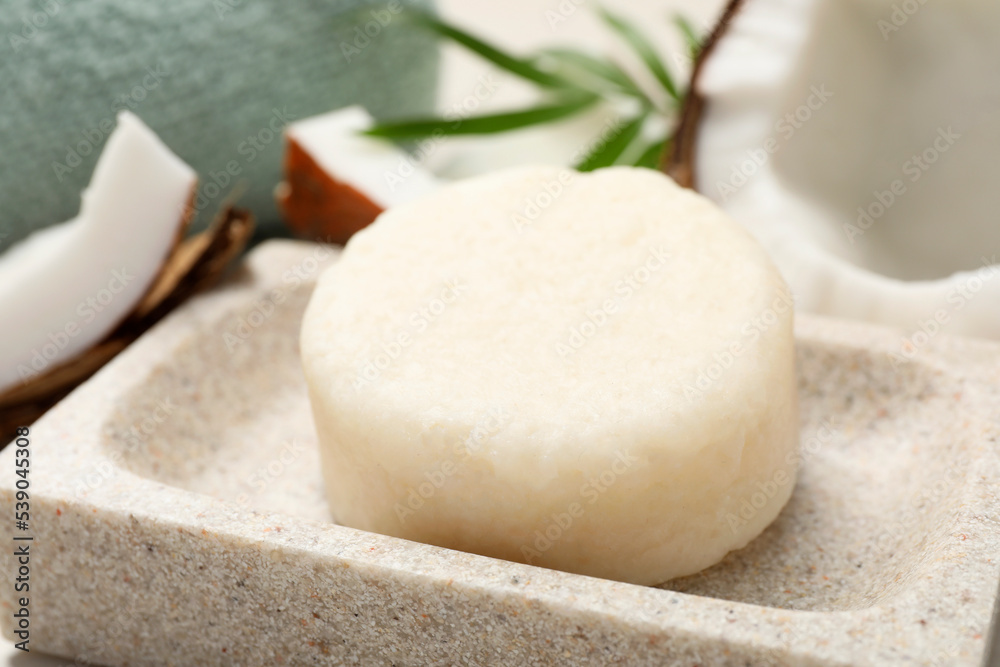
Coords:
216,79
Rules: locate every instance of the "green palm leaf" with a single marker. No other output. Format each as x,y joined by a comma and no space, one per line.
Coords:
518,66
487,124
690,35
653,154
598,67
634,37
605,154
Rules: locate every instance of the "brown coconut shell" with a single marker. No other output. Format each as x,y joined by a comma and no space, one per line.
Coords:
315,205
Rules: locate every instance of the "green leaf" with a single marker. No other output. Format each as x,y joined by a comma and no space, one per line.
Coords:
488,124
644,49
519,66
653,154
690,35
605,154
599,67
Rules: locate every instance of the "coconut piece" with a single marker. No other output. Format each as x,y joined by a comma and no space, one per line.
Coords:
603,388
872,189
67,288
337,180
81,291
193,265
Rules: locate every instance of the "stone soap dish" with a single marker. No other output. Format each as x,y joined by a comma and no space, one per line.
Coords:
178,518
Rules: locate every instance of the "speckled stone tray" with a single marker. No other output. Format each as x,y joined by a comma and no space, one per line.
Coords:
179,519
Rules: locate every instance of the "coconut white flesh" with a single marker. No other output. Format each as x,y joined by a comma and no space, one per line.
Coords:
375,167
900,84
65,288
602,391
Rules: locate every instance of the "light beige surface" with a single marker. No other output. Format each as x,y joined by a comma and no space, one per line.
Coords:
150,530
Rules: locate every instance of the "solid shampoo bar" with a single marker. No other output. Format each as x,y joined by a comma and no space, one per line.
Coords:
588,372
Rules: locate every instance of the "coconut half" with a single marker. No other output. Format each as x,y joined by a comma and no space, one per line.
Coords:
338,180
858,140
65,288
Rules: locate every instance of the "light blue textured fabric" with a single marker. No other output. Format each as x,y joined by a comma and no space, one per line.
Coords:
216,79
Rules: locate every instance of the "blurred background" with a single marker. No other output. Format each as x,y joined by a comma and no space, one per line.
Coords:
216,76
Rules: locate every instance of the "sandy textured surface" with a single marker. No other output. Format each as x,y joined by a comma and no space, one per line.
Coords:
179,519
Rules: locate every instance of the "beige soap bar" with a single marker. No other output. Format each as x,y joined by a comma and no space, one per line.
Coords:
587,372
